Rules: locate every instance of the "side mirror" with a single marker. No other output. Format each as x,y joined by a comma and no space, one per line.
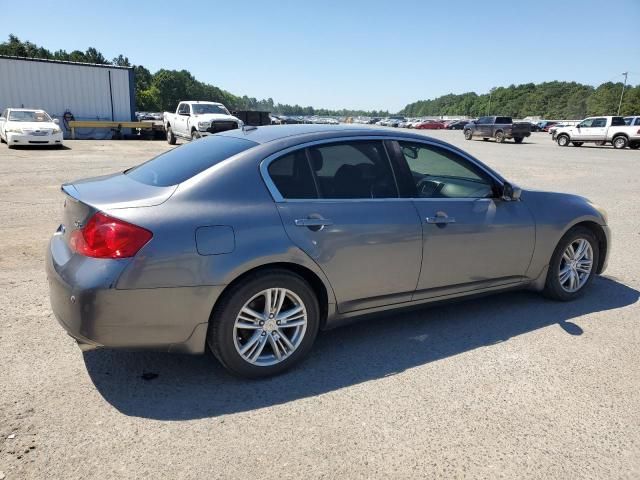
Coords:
511,193
56,121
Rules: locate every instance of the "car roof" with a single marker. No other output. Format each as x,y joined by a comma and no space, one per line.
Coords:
271,133
26,109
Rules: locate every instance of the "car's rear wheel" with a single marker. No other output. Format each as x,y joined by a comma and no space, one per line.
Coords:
563,140
468,135
265,324
620,142
576,144
573,265
171,138
518,139
499,137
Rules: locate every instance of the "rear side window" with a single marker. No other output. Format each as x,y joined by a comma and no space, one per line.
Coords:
184,162
292,176
637,122
503,120
617,122
599,123
353,170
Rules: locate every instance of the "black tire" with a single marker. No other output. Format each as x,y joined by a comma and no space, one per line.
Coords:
195,135
620,142
577,144
563,140
171,138
2,140
499,137
220,335
553,289
634,146
468,135
518,139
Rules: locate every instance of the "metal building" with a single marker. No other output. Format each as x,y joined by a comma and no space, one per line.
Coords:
88,91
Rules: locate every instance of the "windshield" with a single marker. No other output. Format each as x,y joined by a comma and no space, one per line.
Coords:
182,163
29,116
200,108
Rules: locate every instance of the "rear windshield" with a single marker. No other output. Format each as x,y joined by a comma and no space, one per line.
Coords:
184,162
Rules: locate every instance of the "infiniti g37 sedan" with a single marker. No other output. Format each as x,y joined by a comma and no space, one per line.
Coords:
250,241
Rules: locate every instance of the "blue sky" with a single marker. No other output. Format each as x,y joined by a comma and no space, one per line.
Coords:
352,54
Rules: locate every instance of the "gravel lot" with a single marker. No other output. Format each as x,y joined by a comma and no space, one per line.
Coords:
509,386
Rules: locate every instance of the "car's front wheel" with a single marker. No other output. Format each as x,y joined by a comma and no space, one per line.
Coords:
171,138
573,265
563,140
468,135
499,137
264,325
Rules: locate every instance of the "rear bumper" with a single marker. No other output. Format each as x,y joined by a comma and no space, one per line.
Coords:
96,314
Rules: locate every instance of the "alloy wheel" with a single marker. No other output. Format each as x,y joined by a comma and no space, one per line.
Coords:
575,265
270,327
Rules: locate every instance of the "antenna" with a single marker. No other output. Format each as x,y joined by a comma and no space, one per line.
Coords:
623,87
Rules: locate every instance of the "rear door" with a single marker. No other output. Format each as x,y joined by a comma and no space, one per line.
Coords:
472,238
339,203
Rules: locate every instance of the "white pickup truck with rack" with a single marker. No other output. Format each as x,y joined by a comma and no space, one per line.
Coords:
600,130
194,119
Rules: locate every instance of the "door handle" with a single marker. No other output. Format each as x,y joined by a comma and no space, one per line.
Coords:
312,222
440,219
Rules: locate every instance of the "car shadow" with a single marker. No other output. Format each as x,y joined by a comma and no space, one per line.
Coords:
40,147
181,387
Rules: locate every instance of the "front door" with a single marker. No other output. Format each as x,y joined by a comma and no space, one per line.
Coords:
472,239
340,205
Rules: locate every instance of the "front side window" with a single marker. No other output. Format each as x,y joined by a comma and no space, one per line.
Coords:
588,123
358,169
184,108
440,173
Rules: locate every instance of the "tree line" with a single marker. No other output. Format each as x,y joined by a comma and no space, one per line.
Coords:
163,90
559,100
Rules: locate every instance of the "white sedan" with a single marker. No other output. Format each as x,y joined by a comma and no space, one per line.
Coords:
25,126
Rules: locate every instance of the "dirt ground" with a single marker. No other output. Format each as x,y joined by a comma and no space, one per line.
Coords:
508,386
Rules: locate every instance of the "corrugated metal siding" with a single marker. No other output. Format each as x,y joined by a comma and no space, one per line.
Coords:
57,87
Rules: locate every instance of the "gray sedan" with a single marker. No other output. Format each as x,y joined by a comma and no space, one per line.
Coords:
251,241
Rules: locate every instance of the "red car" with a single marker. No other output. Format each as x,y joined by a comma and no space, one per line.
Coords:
430,125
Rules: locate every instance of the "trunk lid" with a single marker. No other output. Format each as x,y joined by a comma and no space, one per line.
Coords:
117,191
110,192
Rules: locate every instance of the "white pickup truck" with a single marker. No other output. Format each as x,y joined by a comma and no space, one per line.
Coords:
600,130
194,119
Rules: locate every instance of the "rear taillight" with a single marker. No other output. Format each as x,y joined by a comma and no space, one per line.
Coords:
107,237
